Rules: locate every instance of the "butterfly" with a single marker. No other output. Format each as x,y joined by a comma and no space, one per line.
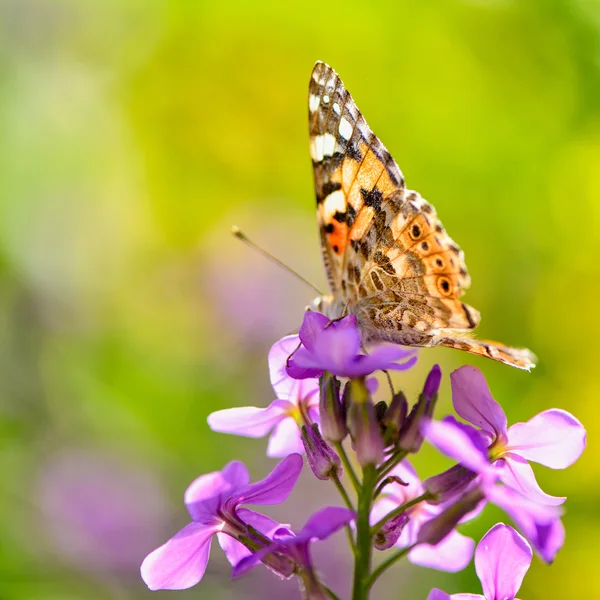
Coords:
388,258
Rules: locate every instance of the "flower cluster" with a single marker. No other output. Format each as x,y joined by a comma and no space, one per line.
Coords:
324,408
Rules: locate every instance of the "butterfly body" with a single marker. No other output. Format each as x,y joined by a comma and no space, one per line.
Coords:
388,259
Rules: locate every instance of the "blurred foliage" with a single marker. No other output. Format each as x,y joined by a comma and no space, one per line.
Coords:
134,133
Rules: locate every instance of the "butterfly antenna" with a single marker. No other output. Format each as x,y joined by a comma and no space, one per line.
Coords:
241,236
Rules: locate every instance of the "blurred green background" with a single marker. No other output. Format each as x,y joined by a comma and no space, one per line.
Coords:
135,133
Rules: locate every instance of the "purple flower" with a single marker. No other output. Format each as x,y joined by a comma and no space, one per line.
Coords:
553,438
539,522
453,553
334,346
502,559
212,501
296,405
320,526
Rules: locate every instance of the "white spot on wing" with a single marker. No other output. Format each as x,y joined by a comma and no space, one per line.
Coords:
335,202
325,99
323,145
345,128
313,102
329,143
336,109
316,148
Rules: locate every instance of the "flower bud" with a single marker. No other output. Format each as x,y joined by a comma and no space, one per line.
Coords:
332,412
388,535
363,425
435,530
394,418
448,484
380,409
411,437
323,461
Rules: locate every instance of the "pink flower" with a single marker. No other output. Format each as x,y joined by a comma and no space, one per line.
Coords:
297,404
540,522
334,346
553,438
502,559
213,501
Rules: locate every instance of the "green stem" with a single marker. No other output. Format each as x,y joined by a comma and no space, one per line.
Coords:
342,490
390,463
362,561
386,564
330,593
398,511
353,478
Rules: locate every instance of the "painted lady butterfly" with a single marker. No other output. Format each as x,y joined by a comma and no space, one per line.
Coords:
388,258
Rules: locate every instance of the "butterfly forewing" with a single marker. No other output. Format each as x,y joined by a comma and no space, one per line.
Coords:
387,256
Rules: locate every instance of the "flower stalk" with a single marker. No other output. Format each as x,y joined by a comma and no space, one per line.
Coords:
389,508
362,563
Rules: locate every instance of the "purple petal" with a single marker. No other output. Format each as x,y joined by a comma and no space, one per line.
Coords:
251,560
452,554
181,562
385,357
540,523
234,550
204,495
275,488
304,365
452,440
372,384
436,594
338,345
432,383
312,326
554,438
502,559
282,383
285,439
321,525
325,523
516,473
250,421
473,401
334,346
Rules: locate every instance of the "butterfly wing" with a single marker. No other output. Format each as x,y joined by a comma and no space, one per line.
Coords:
347,161
367,220
387,256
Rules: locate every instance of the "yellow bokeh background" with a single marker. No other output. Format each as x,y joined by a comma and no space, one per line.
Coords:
134,133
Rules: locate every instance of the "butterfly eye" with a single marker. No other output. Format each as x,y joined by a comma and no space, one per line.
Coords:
444,285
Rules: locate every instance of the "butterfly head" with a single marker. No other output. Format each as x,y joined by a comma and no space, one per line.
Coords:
328,306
